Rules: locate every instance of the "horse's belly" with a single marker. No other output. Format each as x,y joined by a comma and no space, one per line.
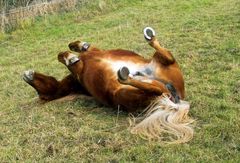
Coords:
134,68
101,80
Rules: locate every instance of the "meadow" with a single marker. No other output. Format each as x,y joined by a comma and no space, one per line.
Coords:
203,35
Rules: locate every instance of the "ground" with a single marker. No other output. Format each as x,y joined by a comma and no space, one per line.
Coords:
203,35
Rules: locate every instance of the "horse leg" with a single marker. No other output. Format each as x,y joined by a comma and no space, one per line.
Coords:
80,47
151,88
48,88
72,62
131,98
147,85
161,55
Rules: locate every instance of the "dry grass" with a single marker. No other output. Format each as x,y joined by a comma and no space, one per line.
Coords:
18,16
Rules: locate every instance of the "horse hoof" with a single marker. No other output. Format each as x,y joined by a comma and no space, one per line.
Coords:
67,58
73,60
123,73
79,46
85,46
149,33
74,46
28,76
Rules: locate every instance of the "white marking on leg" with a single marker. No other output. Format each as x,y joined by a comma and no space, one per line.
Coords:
82,43
67,60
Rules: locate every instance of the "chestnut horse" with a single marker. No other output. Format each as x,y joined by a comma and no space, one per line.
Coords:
124,78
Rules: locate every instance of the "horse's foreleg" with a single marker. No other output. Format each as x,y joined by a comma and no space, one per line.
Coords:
48,88
161,55
79,46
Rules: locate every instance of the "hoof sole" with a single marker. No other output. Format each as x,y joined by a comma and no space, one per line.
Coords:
28,76
149,33
123,73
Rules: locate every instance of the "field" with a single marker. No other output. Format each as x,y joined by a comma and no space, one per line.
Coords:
203,35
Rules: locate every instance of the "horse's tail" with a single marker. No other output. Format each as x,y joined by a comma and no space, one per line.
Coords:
166,121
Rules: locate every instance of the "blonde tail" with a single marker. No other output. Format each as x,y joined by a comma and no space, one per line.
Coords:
165,121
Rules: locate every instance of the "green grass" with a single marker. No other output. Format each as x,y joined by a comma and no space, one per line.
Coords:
204,36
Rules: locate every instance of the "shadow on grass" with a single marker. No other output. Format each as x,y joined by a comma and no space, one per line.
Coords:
83,102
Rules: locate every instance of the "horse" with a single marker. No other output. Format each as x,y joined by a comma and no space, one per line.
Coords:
123,78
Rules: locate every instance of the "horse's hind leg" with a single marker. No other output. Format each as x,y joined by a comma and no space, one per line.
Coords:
132,98
147,85
136,93
161,55
48,88
150,86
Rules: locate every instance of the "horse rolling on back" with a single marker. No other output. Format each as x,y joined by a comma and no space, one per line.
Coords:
126,79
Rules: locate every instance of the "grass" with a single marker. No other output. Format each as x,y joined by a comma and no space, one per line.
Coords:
203,36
